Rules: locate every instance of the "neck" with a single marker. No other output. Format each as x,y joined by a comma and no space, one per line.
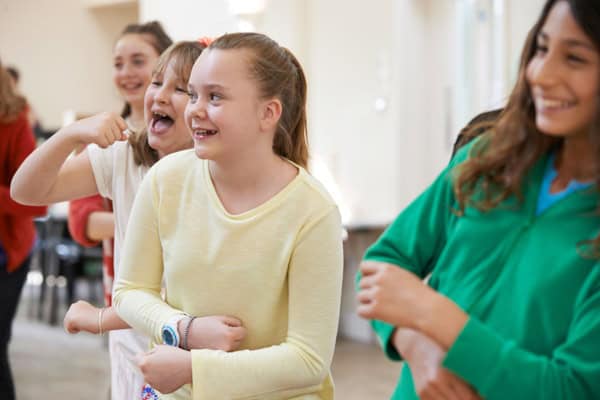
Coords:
575,160
136,117
247,171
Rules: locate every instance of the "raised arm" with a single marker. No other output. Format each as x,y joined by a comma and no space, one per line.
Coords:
47,176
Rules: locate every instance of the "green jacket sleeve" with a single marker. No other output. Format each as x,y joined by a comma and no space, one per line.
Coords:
416,237
500,369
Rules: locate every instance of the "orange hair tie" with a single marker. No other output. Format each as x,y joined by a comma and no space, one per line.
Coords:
205,40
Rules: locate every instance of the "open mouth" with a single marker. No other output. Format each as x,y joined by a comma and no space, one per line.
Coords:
160,122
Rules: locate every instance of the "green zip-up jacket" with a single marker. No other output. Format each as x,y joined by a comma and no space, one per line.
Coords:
533,300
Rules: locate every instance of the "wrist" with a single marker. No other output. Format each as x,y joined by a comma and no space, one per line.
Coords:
404,342
441,319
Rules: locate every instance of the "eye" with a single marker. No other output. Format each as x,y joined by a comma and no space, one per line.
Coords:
193,96
139,62
572,58
118,65
214,97
156,83
181,90
541,49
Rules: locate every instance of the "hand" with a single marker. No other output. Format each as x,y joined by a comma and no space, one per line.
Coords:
166,368
432,381
81,316
102,129
391,294
214,332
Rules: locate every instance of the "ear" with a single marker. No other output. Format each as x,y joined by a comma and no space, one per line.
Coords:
270,114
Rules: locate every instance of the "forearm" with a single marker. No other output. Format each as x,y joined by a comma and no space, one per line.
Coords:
100,225
111,320
143,310
439,318
33,181
282,371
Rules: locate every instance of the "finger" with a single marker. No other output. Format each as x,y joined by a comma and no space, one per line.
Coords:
366,281
365,311
365,296
239,333
370,267
231,321
122,125
460,388
434,393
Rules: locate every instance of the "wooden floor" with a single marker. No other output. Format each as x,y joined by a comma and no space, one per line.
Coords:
51,365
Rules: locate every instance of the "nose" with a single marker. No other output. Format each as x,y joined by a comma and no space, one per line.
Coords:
197,108
161,95
544,71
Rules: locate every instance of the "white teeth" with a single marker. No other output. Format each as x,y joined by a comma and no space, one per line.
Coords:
159,114
550,103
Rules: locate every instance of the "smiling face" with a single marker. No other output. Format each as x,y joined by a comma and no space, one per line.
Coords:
133,61
564,76
164,107
224,108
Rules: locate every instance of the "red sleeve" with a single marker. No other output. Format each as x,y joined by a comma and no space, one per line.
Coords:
79,212
20,144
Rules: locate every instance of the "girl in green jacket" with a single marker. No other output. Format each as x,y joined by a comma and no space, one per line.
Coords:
510,235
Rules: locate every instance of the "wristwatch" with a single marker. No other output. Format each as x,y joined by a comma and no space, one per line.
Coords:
170,333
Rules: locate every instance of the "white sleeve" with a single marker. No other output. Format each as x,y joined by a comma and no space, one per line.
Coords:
102,161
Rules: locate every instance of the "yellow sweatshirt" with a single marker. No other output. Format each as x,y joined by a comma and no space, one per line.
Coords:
277,267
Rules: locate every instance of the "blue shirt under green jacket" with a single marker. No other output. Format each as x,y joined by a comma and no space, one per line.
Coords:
533,299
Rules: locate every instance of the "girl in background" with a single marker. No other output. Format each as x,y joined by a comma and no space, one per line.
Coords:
17,230
91,219
238,227
509,232
113,167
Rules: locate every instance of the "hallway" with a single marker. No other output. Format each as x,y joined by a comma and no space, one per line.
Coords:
47,363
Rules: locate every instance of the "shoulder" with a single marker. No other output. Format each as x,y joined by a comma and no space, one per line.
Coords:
175,167
313,195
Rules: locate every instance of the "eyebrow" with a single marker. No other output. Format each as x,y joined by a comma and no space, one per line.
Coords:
211,86
570,42
133,55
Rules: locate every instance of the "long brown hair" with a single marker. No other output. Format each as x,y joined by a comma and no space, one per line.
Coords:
154,34
11,103
183,54
280,75
498,164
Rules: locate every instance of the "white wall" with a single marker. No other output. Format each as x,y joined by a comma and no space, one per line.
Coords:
189,19
64,52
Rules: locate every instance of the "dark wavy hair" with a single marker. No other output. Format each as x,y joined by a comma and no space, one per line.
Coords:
499,162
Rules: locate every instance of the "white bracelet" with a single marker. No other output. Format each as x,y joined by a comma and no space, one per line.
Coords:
100,314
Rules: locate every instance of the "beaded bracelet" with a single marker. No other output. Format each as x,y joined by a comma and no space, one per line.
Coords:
186,332
100,314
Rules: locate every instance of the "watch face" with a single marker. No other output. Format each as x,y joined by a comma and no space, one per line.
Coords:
169,336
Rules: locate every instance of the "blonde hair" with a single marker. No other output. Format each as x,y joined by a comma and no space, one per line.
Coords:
183,55
278,74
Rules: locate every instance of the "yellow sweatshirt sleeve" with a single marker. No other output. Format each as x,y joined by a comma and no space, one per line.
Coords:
137,296
301,363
